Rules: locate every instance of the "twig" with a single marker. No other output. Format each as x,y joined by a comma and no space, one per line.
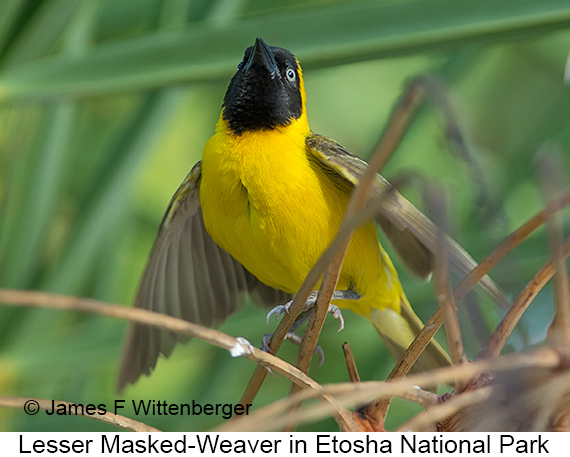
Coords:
351,367
549,166
312,278
468,282
377,411
353,375
314,275
316,322
443,286
444,410
504,329
165,322
279,413
507,245
271,417
98,414
317,319
393,133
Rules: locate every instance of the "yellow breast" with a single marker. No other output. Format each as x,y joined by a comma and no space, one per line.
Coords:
275,211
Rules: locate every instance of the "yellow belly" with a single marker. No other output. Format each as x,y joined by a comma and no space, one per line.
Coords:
275,212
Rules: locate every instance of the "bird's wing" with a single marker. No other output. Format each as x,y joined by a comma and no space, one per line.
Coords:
411,233
187,276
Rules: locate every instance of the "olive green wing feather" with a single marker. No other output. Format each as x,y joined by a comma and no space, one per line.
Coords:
190,277
411,233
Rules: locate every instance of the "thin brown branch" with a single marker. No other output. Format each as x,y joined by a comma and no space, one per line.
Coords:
317,319
444,410
542,358
312,278
434,323
507,245
443,286
142,316
280,414
271,417
165,322
504,329
392,136
417,346
468,282
559,330
343,234
97,414
393,133
403,113
351,367
549,167
449,310
399,122
377,411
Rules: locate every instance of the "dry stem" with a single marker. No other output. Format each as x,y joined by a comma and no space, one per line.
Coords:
98,415
505,328
271,417
165,322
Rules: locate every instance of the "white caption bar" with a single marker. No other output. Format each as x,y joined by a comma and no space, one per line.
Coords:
262,444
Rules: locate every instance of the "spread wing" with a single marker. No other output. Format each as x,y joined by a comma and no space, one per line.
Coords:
187,276
410,232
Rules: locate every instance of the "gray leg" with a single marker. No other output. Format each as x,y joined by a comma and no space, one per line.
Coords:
310,303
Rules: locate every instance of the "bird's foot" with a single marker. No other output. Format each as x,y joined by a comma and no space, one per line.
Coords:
333,310
296,339
242,347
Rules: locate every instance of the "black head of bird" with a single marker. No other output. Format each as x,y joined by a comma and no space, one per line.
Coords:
265,92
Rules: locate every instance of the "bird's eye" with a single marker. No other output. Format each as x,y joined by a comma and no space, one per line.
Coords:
291,74
240,65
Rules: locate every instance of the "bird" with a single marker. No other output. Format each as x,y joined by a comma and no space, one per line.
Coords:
256,213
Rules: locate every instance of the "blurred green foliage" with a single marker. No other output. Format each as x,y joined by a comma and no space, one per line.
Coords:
105,106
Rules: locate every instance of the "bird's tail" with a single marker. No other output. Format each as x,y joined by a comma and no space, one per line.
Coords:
399,329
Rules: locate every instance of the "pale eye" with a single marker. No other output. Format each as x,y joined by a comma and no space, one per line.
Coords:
240,65
291,74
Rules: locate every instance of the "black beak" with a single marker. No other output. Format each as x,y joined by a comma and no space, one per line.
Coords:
261,54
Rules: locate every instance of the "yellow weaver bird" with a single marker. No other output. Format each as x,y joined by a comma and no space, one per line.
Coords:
254,216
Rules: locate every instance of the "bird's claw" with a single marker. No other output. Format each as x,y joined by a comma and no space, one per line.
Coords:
319,350
336,313
278,310
333,310
242,347
296,340
265,342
